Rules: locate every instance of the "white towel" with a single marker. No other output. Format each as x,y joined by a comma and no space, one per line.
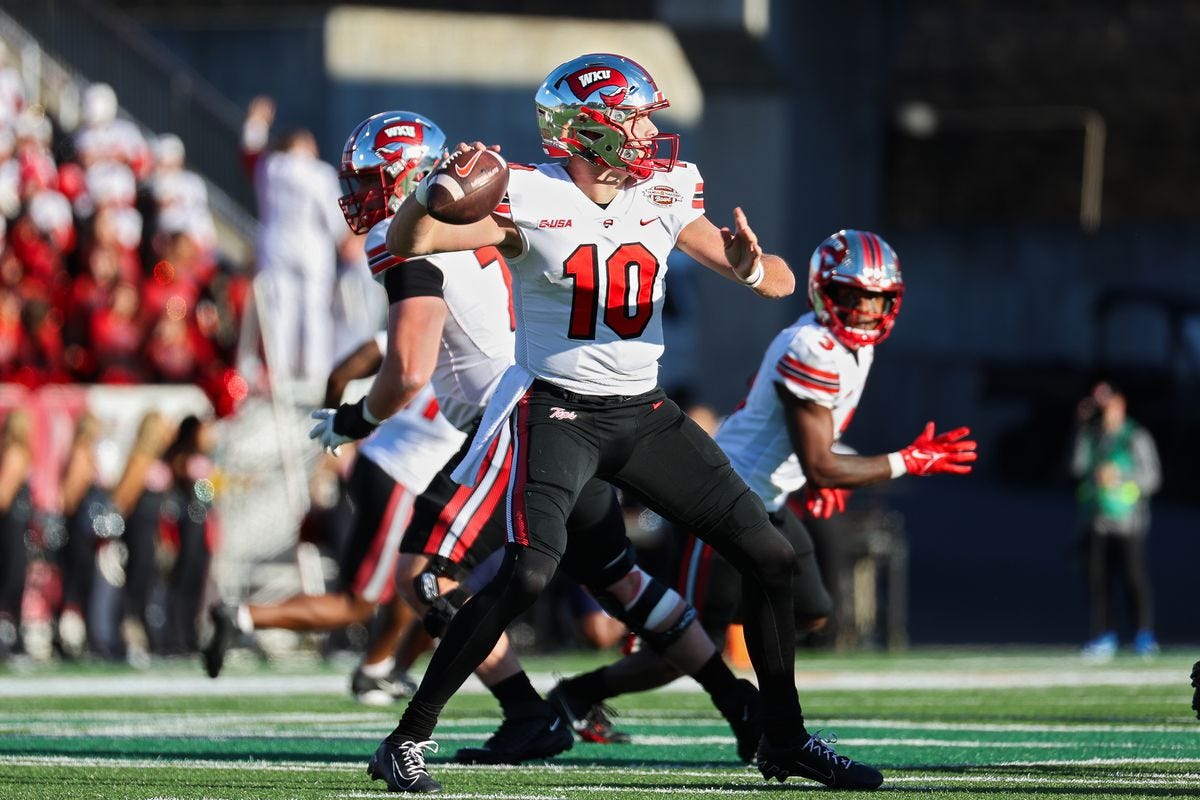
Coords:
513,385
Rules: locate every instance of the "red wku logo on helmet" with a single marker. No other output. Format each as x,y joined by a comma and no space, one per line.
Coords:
400,133
592,79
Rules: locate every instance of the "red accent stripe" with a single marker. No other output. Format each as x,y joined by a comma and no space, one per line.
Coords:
370,562
867,254
376,250
503,208
519,521
697,204
431,409
807,384
699,188
789,371
385,265
446,518
813,371
486,509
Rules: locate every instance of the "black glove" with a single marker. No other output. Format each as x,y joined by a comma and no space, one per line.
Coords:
349,421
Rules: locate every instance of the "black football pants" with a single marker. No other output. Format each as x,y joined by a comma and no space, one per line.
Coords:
647,445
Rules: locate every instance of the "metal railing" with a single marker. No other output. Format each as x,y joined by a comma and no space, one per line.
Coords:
152,85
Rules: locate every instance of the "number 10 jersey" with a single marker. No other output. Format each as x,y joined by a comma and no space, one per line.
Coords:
588,284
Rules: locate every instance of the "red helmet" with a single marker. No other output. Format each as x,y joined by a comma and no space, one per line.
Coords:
854,260
385,157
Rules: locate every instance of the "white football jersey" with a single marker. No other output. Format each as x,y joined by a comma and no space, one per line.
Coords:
297,206
413,444
813,365
588,285
477,338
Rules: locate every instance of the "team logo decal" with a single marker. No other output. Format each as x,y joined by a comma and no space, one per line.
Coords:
662,195
402,133
610,83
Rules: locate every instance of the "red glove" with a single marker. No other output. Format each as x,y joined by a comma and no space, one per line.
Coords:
945,452
823,503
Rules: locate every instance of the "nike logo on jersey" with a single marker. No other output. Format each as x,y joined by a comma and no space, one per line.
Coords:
826,342
561,413
646,222
464,169
554,725
654,406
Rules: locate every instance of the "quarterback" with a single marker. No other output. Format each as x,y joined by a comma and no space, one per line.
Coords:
587,242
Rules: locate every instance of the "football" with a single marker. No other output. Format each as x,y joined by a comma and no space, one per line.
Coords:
466,187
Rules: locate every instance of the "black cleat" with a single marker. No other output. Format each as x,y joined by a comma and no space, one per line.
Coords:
402,766
223,631
813,758
381,691
531,733
743,712
592,723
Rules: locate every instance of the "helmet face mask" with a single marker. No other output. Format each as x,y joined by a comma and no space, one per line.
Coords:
855,287
589,107
385,157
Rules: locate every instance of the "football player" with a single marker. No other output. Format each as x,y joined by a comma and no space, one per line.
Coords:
449,325
587,241
395,465
296,247
784,439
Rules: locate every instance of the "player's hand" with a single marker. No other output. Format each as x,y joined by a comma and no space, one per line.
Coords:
948,452
261,110
335,428
742,250
475,146
823,503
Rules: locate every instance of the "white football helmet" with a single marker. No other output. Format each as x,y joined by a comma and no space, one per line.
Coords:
586,105
856,260
385,157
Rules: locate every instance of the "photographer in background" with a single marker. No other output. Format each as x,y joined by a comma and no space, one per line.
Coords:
1117,466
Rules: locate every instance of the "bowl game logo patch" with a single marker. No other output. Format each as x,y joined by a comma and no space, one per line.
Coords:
662,195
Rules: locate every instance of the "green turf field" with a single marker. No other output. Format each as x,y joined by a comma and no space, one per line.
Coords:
944,723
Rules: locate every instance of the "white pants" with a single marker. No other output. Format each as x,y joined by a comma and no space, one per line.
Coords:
297,322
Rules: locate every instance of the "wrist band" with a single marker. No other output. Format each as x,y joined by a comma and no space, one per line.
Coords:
896,462
756,276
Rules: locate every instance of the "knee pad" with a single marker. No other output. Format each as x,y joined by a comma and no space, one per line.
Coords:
661,641
442,607
646,614
598,579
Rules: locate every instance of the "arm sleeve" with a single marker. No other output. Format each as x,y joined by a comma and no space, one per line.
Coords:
809,371
415,278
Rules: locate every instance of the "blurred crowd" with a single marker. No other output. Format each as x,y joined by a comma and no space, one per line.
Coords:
108,262
121,569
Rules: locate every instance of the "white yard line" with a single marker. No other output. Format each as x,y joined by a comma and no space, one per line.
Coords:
164,684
